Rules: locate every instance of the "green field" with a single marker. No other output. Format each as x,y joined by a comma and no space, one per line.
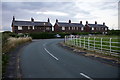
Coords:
103,44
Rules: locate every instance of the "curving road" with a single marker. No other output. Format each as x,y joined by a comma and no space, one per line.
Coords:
46,59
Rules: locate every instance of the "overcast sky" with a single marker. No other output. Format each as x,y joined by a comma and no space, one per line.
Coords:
102,11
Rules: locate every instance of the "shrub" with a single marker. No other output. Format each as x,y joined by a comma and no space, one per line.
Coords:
42,35
113,32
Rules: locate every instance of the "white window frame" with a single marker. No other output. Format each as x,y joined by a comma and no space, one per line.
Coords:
82,28
105,29
63,28
92,28
28,27
19,27
77,28
72,28
33,27
69,28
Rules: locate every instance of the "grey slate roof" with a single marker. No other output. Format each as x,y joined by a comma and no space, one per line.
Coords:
29,23
70,24
96,25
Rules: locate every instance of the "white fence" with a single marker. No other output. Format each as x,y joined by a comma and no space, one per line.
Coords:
98,44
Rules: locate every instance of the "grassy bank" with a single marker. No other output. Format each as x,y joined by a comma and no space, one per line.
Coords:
13,42
10,44
102,44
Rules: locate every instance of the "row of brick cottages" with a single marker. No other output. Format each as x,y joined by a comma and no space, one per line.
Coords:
35,26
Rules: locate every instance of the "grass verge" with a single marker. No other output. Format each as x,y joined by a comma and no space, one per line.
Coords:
94,53
11,44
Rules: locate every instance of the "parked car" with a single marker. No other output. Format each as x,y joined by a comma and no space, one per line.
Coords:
57,35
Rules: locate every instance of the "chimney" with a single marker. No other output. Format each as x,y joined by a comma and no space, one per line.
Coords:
95,22
86,22
80,22
69,21
13,18
103,23
56,20
32,19
48,20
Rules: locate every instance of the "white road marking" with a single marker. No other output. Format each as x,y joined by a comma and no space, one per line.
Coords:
50,54
86,76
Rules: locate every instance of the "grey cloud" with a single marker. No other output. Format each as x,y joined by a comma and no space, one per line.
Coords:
23,10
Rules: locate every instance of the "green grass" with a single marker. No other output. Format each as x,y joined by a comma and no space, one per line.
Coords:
105,43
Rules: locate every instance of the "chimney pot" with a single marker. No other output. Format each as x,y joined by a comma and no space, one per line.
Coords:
56,20
13,18
103,23
80,22
69,21
32,19
48,20
86,22
95,22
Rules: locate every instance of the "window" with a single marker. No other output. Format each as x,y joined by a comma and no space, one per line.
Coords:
77,28
102,28
19,27
82,28
33,27
29,27
99,28
92,28
69,28
72,28
105,29
63,28
47,28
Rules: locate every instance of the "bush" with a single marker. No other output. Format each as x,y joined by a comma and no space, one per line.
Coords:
42,35
48,35
6,35
113,32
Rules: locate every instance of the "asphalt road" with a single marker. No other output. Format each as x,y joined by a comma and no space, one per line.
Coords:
46,59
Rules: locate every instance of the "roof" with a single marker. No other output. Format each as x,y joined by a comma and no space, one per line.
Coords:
70,24
96,25
30,23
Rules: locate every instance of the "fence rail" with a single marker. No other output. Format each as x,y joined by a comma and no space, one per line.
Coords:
99,44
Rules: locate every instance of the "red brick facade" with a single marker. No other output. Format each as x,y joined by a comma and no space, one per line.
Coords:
31,26
73,27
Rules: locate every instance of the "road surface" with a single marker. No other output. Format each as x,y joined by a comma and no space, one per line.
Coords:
46,59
